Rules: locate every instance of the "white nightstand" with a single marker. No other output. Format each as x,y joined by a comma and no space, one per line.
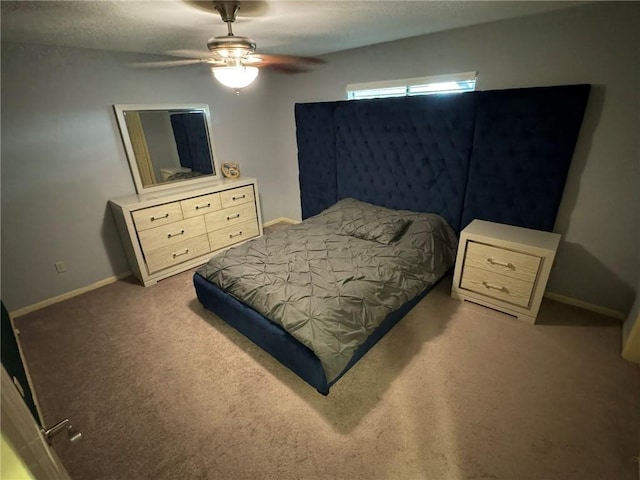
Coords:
504,267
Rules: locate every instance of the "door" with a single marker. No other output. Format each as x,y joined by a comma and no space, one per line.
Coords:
20,419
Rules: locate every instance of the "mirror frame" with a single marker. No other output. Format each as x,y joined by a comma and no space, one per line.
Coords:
133,166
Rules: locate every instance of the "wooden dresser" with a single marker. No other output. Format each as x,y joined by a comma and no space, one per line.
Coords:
504,267
177,229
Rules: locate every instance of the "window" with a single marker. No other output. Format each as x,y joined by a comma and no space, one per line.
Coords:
456,83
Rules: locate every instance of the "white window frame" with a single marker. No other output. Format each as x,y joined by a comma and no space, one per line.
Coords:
436,84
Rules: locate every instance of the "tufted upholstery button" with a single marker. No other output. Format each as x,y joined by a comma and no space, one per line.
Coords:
389,149
521,154
415,153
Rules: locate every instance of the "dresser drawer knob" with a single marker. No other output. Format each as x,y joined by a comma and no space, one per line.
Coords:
170,235
501,264
206,205
491,286
231,235
166,215
239,197
179,254
231,217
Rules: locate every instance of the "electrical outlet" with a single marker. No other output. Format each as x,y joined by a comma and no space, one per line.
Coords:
60,267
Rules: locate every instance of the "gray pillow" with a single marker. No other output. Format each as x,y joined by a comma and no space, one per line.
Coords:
370,222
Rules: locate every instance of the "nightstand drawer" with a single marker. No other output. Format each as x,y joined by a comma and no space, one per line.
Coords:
496,285
512,264
504,267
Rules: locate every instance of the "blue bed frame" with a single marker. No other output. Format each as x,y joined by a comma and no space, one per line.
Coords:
499,155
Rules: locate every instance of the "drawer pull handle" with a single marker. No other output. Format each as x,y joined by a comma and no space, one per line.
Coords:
179,254
231,235
166,215
170,235
239,197
501,264
230,217
206,205
495,287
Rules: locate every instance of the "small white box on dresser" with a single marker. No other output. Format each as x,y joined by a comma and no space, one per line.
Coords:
171,231
504,267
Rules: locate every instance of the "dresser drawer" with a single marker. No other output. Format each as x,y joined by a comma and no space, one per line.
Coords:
497,285
200,205
168,232
182,251
156,216
233,234
512,264
236,196
171,234
230,216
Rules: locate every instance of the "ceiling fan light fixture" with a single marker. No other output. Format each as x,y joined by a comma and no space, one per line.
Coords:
236,76
231,46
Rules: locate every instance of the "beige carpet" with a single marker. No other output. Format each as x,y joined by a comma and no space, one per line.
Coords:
162,389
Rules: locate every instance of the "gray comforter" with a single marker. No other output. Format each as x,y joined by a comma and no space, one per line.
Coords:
332,279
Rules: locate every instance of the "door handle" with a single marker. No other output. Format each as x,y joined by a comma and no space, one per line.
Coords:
65,425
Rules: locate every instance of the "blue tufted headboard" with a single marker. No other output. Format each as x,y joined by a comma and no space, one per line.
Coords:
498,155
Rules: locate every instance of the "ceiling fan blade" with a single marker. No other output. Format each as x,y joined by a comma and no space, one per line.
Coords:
283,63
167,63
190,54
232,50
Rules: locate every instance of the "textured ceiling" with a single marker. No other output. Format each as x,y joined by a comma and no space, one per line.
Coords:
311,27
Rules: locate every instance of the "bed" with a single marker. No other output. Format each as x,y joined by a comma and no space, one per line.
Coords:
386,185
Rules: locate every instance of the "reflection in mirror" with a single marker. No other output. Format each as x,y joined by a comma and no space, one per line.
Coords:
166,144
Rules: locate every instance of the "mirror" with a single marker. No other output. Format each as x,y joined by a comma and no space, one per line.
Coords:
167,145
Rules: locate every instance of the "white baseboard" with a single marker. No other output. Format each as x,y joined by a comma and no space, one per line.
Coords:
280,220
586,305
66,296
107,281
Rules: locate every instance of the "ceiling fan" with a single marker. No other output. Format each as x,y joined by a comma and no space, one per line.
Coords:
231,57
